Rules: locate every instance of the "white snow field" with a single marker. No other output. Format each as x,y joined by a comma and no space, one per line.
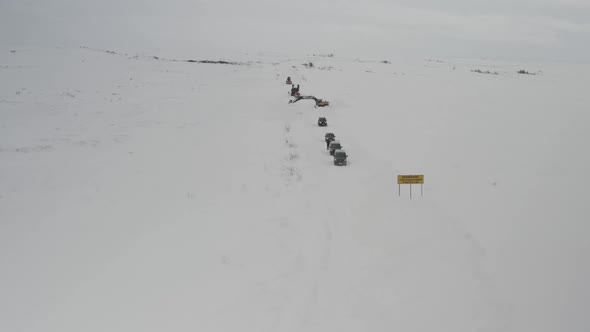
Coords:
139,194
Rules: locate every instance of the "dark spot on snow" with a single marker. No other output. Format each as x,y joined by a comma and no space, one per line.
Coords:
216,62
479,71
524,72
137,57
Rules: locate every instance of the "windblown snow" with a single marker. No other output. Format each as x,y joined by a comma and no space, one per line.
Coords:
145,194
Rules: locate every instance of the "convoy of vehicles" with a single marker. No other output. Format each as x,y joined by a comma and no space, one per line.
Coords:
334,146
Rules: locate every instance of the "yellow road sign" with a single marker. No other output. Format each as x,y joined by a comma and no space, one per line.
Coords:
410,179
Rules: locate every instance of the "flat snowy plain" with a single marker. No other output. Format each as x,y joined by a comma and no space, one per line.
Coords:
140,194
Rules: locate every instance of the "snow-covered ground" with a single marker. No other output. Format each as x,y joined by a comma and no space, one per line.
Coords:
138,194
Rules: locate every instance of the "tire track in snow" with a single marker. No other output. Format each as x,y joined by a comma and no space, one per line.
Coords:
314,249
290,169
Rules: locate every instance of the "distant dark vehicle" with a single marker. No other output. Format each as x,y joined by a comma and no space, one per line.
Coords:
322,122
340,158
295,90
289,80
334,145
329,137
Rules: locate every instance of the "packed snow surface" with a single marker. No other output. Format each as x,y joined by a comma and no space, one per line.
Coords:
145,194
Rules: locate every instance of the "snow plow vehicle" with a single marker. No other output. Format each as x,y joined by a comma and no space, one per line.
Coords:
318,102
322,103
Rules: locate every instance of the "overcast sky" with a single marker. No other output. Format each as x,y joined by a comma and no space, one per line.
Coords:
554,30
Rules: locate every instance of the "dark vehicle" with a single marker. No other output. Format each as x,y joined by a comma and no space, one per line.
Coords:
329,137
340,157
334,145
322,122
289,80
295,90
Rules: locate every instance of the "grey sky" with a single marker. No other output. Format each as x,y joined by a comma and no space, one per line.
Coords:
518,29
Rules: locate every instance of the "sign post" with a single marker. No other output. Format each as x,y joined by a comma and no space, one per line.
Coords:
410,179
